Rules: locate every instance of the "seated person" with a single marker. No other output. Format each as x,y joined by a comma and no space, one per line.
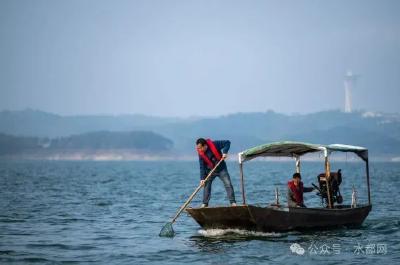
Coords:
295,191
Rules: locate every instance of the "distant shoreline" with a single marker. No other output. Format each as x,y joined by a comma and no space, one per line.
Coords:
126,156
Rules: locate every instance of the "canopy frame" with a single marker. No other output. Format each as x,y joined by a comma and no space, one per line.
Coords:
296,150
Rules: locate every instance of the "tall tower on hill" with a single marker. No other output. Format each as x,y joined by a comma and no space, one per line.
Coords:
350,80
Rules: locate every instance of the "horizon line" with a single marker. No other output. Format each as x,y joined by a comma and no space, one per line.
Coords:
195,116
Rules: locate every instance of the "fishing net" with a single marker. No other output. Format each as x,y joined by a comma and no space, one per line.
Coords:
167,230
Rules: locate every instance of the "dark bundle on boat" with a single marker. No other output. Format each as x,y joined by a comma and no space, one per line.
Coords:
334,190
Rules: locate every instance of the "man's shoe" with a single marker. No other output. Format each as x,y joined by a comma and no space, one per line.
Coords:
204,205
233,204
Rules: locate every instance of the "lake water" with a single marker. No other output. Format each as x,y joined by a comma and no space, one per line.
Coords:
111,213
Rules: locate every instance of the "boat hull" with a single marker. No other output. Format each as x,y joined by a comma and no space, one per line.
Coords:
273,218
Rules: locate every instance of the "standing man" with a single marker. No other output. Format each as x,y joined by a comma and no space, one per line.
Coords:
296,190
210,153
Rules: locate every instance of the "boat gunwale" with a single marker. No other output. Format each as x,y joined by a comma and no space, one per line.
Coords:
285,208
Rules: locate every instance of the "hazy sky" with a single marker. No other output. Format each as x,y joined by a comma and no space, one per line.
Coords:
182,58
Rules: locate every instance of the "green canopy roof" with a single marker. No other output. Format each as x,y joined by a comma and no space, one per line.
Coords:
293,149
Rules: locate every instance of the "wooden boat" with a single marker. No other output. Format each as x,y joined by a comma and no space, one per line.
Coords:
278,217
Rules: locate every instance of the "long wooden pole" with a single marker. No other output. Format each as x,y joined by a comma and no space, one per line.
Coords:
195,192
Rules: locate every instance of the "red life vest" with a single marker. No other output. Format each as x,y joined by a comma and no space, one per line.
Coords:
215,152
297,191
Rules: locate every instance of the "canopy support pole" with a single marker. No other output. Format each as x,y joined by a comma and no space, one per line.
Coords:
369,189
297,164
242,184
327,178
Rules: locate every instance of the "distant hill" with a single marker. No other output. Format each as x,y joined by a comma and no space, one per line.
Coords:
377,131
380,133
10,145
42,124
135,142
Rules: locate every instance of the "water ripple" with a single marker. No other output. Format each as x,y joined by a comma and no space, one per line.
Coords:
111,213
